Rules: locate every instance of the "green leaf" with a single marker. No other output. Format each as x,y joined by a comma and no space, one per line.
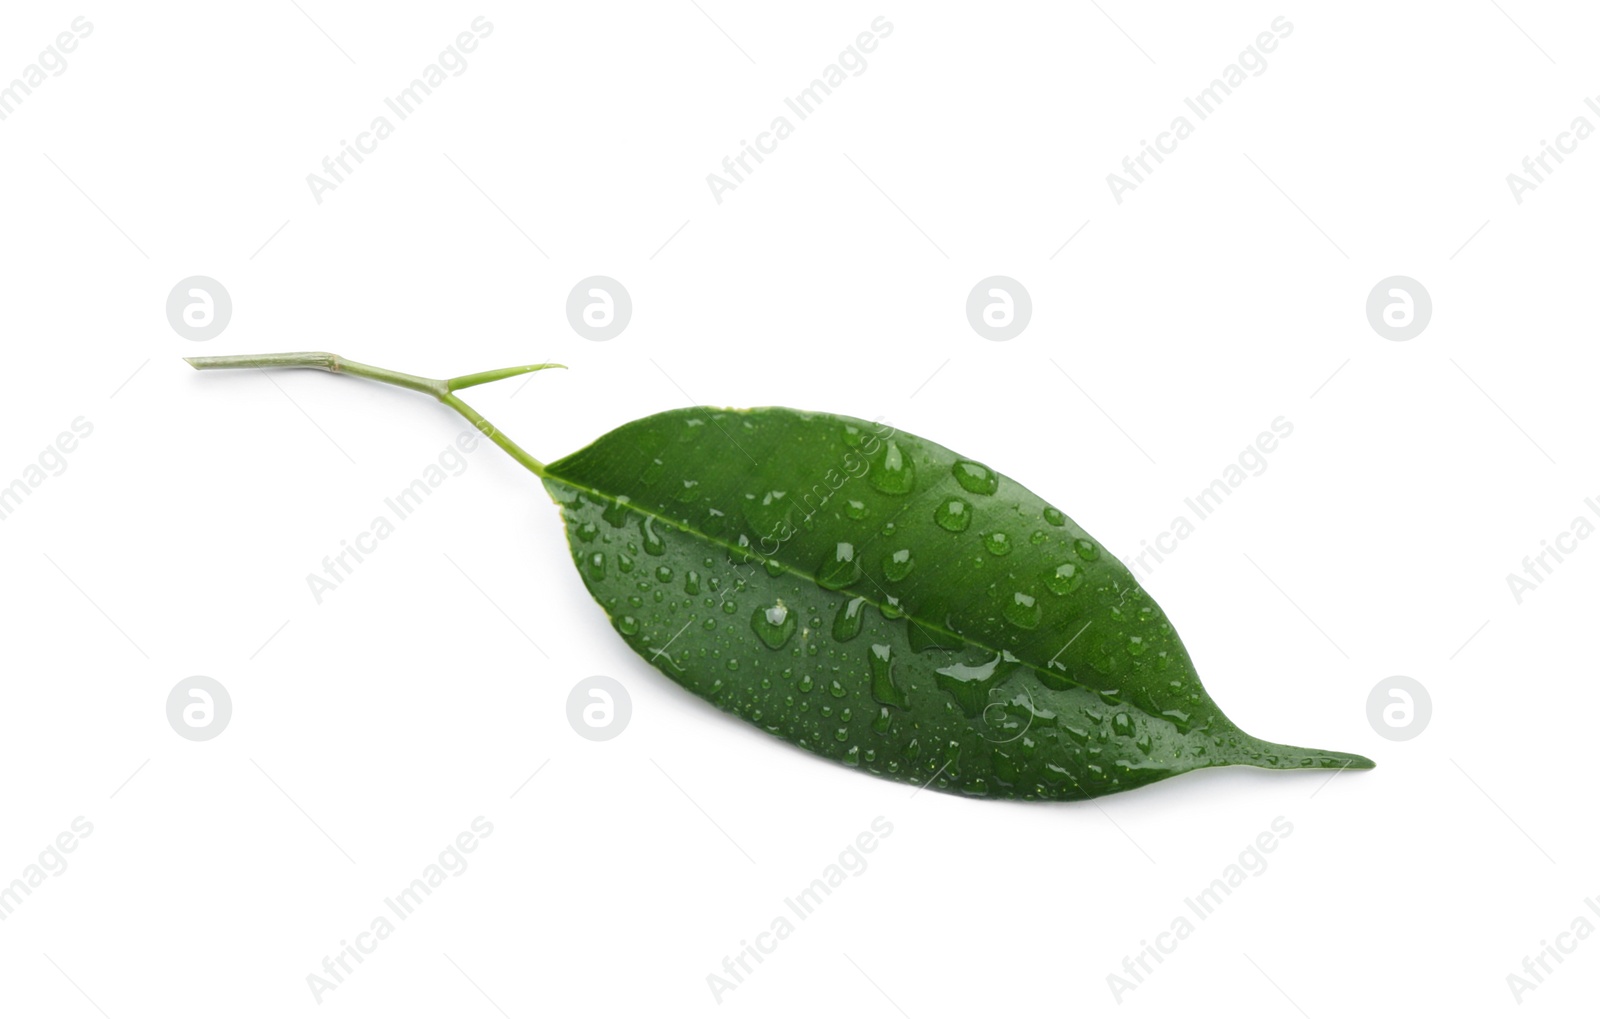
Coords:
872,597
876,599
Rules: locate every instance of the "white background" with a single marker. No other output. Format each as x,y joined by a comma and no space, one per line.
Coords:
1225,291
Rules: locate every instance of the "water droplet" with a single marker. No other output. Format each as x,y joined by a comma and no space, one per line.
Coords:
848,622
969,684
1136,646
804,686
1054,517
774,624
1087,551
953,515
729,607
664,574
627,625
898,565
894,475
597,566
855,509
624,563
1063,578
880,725
1023,610
616,512
688,492
881,658
840,569
975,477
691,583
588,532
652,472
891,607
1038,537
841,734
1121,724
652,541
998,543
716,521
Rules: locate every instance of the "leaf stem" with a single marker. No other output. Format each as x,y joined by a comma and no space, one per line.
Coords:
442,390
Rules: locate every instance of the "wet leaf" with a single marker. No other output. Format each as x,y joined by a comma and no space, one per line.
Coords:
877,599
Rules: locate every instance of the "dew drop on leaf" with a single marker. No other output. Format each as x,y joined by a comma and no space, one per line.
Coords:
1063,579
894,475
953,515
1023,610
652,541
840,569
898,565
975,477
848,622
881,658
774,624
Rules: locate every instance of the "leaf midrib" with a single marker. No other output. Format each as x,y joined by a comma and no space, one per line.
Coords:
551,474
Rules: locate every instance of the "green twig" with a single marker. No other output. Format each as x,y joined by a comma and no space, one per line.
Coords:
442,390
